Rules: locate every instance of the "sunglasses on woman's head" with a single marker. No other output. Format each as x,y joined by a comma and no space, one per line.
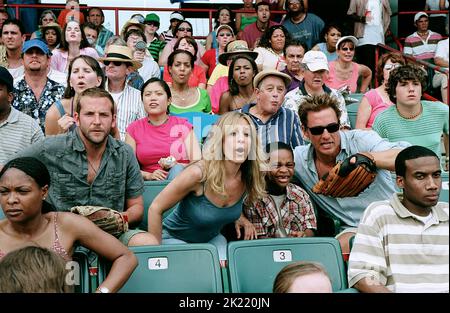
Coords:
318,130
182,29
389,67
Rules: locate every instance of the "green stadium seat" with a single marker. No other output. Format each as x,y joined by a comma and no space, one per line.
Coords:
186,268
151,189
352,108
254,264
81,256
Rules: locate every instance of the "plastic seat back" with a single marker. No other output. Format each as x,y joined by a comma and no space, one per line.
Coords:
151,189
444,196
80,256
202,123
254,264
173,268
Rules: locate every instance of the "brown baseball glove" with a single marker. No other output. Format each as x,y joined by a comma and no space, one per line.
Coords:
348,179
111,221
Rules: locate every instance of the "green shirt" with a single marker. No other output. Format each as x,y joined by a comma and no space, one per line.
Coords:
155,47
118,177
203,104
424,131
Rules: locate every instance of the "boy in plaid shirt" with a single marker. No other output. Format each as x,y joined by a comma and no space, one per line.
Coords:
286,211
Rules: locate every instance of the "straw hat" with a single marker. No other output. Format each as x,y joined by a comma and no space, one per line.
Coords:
236,47
122,54
129,23
51,25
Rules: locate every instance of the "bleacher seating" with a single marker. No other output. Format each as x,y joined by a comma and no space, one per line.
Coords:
254,264
202,123
352,108
173,268
81,256
151,189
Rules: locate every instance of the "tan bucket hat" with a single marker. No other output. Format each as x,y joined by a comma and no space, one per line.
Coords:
263,74
121,54
234,48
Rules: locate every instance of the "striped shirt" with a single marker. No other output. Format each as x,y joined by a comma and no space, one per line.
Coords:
17,132
424,131
129,108
403,253
155,47
283,126
422,49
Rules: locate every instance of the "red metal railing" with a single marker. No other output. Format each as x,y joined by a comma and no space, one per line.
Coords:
413,59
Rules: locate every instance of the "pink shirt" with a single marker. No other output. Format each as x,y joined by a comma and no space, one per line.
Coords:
377,105
156,142
335,83
198,76
59,60
219,88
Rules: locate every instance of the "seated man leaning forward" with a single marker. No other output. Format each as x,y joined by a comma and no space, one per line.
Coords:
402,243
319,116
88,167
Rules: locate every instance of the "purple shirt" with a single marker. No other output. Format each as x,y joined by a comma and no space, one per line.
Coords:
295,82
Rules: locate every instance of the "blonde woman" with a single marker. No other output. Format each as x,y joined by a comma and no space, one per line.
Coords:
211,191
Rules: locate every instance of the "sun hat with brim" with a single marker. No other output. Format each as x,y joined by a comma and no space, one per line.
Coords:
347,38
51,25
263,74
419,15
131,22
234,48
121,54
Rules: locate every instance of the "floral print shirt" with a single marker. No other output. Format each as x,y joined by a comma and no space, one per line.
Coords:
26,102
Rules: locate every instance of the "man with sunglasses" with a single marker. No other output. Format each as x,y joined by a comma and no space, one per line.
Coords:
314,66
96,17
319,117
154,45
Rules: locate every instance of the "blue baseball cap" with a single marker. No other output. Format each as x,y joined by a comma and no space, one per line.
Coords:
38,43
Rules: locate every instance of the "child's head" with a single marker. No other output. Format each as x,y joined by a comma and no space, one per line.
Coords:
281,160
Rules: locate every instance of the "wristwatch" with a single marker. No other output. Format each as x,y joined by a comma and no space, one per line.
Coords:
103,290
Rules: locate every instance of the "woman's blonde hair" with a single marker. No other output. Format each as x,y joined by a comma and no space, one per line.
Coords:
252,170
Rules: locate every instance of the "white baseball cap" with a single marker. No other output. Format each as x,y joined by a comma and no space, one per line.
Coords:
419,15
176,16
315,61
347,38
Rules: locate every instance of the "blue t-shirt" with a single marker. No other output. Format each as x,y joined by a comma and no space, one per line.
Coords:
307,31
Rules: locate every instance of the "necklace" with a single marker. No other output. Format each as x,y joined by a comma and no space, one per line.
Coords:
158,124
409,117
93,168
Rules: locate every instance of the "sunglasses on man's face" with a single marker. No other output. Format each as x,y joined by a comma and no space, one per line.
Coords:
116,63
318,130
182,29
152,24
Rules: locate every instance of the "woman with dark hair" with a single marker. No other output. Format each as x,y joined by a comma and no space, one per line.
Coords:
47,17
241,72
331,33
198,76
270,48
184,97
223,16
152,136
183,29
377,100
73,44
32,221
84,72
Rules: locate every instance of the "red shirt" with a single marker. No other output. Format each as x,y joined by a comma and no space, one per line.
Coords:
198,76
